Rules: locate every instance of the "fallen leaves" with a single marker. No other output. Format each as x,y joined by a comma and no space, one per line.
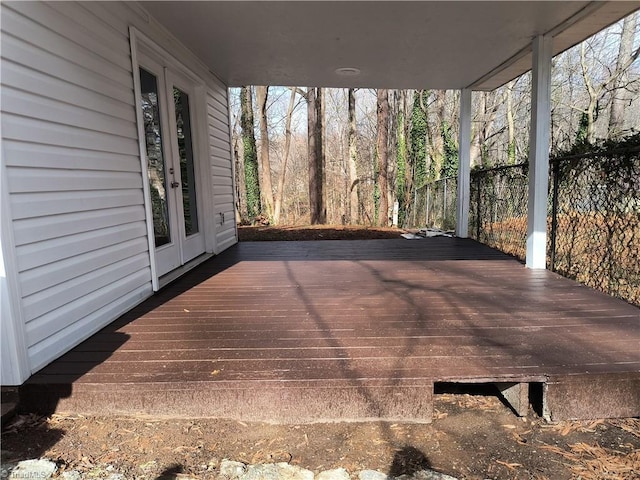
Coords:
568,427
629,425
29,420
510,466
594,462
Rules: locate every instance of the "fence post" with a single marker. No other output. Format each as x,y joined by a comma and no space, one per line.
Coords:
444,203
415,205
554,213
478,214
428,195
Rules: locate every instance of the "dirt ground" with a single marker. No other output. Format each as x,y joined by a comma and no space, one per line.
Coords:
473,436
315,232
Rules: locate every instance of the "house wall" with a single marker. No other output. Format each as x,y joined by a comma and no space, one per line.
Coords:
77,231
221,168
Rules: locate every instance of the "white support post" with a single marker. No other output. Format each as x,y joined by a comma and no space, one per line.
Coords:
464,165
539,153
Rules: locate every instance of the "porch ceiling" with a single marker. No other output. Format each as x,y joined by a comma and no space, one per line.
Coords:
395,44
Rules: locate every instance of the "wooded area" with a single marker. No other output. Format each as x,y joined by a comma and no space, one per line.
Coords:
346,156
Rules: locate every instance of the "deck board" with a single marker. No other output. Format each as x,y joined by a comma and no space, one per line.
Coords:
318,323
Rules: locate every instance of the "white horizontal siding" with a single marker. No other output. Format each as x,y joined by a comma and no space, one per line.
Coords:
20,52
55,203
42,108
71,164
34,180
49,275
39,228
125,296
221,166
71,158
59,248
64,92
82,28
30,130
55,308
45,156
50,37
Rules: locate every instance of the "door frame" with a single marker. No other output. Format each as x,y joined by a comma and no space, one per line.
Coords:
202,167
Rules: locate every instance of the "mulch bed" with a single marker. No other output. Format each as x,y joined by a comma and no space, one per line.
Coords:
315,232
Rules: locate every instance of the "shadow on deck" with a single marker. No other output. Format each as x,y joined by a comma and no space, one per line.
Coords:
335,330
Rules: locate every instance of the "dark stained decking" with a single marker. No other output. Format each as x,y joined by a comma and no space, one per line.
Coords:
301,331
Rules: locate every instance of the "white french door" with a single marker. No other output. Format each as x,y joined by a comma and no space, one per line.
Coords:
167,99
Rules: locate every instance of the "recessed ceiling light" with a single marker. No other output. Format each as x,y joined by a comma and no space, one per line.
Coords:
348,71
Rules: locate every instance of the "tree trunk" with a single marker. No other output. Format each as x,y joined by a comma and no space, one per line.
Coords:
489,105
287,150
511,128
354,218
620,94
320,145
392,159
436,137
591,114
403,173
262,93
383,152
252,183
316,174
241,191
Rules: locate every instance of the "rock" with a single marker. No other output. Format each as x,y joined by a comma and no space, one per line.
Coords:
277,471
265,471
149,466
426,475
5,469
116,476
230,470
419,475
71,475
33,469
335,474
372,475
291,472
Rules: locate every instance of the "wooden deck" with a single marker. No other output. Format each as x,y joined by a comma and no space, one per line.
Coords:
346,330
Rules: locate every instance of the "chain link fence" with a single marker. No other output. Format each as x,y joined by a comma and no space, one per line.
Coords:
593,218
594,232
434,205
498,208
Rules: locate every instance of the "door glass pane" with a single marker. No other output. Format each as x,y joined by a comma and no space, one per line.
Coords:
155,157
187,172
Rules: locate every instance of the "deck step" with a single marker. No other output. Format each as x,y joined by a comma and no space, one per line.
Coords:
591,396
290,402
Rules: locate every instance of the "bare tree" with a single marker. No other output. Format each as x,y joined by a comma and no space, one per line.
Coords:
598,89
489,104
353,158
241,192
287,149
383,153
626,56
317,210
266,190
511,126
